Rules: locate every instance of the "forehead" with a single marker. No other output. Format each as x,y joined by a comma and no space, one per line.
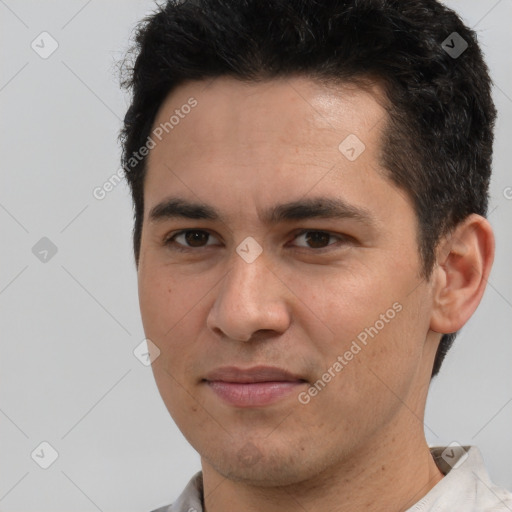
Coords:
280,110
223,139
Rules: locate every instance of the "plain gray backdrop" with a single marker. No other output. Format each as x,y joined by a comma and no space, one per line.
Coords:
68,297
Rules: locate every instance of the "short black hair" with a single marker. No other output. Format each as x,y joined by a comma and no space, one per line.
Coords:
437,143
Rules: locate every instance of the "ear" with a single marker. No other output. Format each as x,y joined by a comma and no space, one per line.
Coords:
464,263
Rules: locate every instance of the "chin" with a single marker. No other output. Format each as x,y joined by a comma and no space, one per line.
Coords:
252,466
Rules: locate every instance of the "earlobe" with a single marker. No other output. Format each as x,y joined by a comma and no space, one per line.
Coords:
464,263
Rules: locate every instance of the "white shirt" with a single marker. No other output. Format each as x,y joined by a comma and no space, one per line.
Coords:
466,487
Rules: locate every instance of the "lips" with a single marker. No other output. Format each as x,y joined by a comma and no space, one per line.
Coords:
254,374
252,387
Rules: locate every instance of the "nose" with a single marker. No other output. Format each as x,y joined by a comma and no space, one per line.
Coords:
250,298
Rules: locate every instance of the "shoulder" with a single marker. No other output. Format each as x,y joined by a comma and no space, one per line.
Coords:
495,499
191,498
466,485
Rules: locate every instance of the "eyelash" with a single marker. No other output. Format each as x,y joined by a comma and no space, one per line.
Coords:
171,243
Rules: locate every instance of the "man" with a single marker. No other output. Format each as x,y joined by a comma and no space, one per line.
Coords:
310,188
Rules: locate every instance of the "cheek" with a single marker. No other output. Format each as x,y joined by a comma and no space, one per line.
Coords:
393,350
345,301
163,299
173,311
154,298
379,362
375,321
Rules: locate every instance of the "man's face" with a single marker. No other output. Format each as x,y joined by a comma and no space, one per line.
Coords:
334,300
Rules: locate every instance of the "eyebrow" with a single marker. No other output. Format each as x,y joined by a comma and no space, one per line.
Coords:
302,209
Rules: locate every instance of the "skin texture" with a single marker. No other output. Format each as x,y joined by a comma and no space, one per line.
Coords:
359,443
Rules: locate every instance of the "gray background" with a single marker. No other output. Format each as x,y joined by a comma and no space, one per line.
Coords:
69,325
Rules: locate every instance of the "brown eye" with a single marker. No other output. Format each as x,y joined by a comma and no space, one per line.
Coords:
196,238
189,239
316,239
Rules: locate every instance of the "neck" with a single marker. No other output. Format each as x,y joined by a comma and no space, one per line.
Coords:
391,474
